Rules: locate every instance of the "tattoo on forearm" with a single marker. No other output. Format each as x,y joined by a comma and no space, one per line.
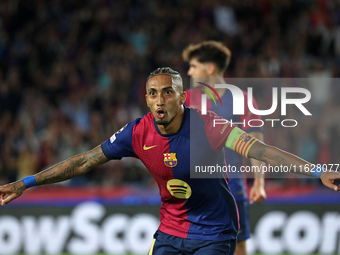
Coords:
260,152
77,165
281,160
95,158
17,187
54,177
67,173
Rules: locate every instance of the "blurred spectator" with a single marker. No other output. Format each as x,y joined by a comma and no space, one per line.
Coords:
73,72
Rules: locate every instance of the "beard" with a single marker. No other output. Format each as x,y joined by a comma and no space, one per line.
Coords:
162,122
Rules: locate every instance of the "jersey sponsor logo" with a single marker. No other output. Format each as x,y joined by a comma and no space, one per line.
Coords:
179,188
170,159
113,137
148,148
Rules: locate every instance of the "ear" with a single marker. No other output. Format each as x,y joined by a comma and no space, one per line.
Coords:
183,97
210,68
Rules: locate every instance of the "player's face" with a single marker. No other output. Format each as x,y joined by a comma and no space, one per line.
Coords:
165,100
197,69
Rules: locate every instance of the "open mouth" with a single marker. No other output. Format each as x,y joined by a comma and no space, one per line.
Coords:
160,113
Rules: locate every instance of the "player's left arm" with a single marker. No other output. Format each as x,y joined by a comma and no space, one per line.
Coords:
277,157
257,192
250,147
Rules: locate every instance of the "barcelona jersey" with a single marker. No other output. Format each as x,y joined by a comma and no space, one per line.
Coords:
236,183
196,208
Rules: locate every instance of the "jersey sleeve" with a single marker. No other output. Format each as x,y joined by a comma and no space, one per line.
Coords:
216,129
221,133
119,145
250,117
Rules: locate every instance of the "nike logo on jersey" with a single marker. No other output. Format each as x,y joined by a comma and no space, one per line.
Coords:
148,148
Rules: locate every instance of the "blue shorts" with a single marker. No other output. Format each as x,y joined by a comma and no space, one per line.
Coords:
168,244
244,232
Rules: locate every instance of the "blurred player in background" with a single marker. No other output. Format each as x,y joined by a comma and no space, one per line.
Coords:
198,215
210,60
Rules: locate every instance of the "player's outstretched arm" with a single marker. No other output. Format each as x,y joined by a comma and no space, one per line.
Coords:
276,157
77,165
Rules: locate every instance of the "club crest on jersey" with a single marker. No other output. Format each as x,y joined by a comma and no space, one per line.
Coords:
170,159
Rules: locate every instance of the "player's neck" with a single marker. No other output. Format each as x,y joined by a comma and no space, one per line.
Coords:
174,124
218,79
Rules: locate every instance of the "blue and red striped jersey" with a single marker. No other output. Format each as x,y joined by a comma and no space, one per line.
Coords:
197,208
236,182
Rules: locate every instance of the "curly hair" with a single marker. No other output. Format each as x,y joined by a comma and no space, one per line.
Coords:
209,51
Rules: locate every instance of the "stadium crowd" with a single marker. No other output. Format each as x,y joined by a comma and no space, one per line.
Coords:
73,72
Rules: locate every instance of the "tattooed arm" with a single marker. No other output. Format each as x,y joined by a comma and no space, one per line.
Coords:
276,157
77,165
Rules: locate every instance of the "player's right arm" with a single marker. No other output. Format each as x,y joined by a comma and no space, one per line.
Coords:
67,169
